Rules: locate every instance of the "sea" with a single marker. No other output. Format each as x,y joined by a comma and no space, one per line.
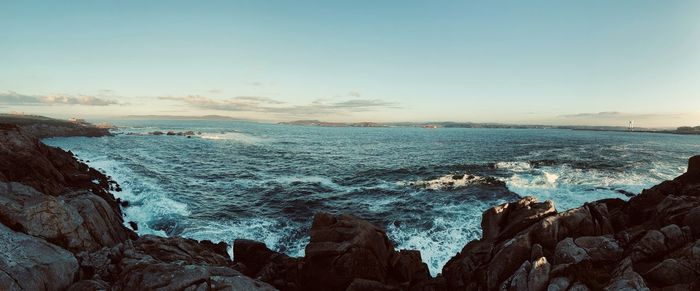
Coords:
426,187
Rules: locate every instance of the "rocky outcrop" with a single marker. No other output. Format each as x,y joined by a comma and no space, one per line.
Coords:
649,242
30,263
344,253
151,263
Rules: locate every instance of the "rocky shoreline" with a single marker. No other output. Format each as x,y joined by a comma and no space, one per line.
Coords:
62,229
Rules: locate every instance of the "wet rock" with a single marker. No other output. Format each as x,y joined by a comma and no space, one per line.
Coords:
29,263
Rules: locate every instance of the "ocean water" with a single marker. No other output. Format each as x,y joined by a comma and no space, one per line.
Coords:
426,187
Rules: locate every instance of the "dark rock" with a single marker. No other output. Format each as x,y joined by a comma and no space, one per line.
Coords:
29,263
343,248
134,225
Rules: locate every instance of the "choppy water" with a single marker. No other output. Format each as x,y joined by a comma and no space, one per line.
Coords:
427,187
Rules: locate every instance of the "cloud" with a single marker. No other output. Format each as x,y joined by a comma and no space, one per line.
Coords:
269,105
354,94
14,98
618,115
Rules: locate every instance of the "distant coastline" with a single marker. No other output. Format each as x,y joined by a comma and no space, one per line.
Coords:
684,130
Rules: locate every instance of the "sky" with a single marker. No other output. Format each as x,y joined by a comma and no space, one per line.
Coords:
531,62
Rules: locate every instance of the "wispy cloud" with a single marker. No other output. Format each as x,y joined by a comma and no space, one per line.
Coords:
269,105
14,98
619,115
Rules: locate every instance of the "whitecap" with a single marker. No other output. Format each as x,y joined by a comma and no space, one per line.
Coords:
232,136
450,181
514,166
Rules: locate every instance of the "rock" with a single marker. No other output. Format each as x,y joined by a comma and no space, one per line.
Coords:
625,278
254,255
538,278
343,248
519,280
567,252
588,220
182,249
513,253
670,272
29,263
506,220
369,285
89,285
407,267
156,133
578,286
151,263
692,220
559,284
694,167
79,221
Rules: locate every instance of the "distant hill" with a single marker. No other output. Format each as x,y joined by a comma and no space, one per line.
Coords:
184,117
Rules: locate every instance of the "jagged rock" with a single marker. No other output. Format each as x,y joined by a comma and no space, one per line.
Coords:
578,286
259,262
670,272
79,221
182,249
369,285
513,253
593,248
29,263
89,285
166,264
508,219
539,275
588,220
343,248
625,278
406,266
692,220
518,281
559,284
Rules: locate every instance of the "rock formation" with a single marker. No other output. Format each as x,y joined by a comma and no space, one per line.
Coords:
61,229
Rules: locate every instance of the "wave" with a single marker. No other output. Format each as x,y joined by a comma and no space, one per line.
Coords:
148,204
452,181
282,236
233,136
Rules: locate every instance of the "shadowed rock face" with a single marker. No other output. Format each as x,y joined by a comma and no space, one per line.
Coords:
61,229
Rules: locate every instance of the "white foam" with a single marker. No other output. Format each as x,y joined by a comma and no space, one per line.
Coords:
451,229
450,181
233,136
514,166
147,201
274,234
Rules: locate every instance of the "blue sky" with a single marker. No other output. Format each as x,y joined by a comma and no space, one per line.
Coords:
554,62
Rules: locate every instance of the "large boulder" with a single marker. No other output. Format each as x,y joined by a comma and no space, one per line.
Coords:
508,219
155,263
79,221
29,263
343,248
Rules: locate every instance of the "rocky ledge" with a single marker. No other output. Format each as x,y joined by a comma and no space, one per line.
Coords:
61,229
